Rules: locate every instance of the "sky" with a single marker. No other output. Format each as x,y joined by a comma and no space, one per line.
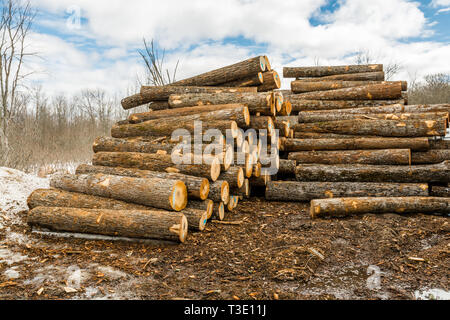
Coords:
94,44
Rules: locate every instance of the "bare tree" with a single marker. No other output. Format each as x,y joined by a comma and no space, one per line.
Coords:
366,57
15,23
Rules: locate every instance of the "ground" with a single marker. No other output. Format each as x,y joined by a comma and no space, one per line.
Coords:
272,250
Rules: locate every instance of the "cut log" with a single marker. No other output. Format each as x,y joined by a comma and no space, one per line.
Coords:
363,76
268,66
348,206
133,101
305,116
384,128
196,218
287,168
262,180
244,191
197,188
218,211
155,162
286,109
153,192
205,205
262,123
306,191
256,102
232,204
440,144
321,135
158,105
383,91
395,108
304,86
271,80
253,81
234,176
226,74
220,191
430,156
108,144
151,224
416,144
438,191
302,72
383,156
373,173
61,198
293,120
301,104
283,126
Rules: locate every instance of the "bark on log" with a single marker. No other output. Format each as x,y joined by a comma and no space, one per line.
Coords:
133,101
286,109
256,102
268,66
158,105
283,126
153,192
262,180
61,198
363,76
321,135
196,218
234,176
306,191
155,162
300,104
262,123
304,86
271,81
287,168
374,173
440,144
430,156
226,74
253,81
301,72
416,144
306,117
218,211
197,188
205,205
382,157
219,191
395,108
232,204
107,144
369,92
348,206
438,191
151,224
244,191
384,128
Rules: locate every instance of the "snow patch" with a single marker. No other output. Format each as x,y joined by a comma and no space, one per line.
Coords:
432,294
9,257
12,273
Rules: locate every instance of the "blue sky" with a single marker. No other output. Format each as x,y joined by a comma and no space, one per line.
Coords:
94,44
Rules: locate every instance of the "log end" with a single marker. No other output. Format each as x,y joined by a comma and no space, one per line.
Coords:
221,211
240,177
262,63
257,170
179,196
183,228
228,157
215,169
202,221
234,129
260,77
246,116
248,165
204,189
225,192
209,209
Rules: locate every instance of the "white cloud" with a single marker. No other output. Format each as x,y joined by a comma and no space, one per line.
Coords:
440,3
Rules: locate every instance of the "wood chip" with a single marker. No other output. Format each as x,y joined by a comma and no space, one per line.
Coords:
70,290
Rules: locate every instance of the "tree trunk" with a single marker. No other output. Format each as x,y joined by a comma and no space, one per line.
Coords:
440,144
218,211
301,104
395,108
302,86
302,72
416,144
232,204
205,205
347,206
363,76
253,81
286,109
152,224
383,157
196,218
155,162
305,117
133,101
374,173
369,92
287,168
384,128
226,74
430,156
271,81
256,102
219,191
234,176
321,135
158,105
438,191
197,188
153,192
261,123
107,144
244,191
282,125
306,191
61,198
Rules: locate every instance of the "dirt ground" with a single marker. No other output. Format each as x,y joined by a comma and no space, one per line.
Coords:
272,251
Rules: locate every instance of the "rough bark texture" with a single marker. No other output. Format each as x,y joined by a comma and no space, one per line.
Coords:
253,80
305,86
287,168
286,109
151,224
261,123
197,188
301,72
305,117
416,144
196,218
219,191
205,205
229,73
384,128
271,81
348,206
440,144
61,198
301,104
368,92
234,176
395,108
256,102
383,156
431,156
374,173
321,135
438,191
133,101
244,191
158,105
107,144
153,192
154,162
306,191
218,211
363,76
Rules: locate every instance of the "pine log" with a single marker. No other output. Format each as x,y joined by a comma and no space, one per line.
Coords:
321,135
296,72
107,144
306,116
252,81
158,105
363,76
293,120
205,205
440,144
374,173
416,144
306,191
283,126
286,109
155,162
196,218
384,91
152,224
383,156
271,80
234,176
384,128
395,109
232,204
268,66
348,206
197,188
262,123
153,192
287,168
61,198
256,102
218,211
430,156
438,191
219,191
304,86
278,100
262,180
226,74
301,104
244,191
133,101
